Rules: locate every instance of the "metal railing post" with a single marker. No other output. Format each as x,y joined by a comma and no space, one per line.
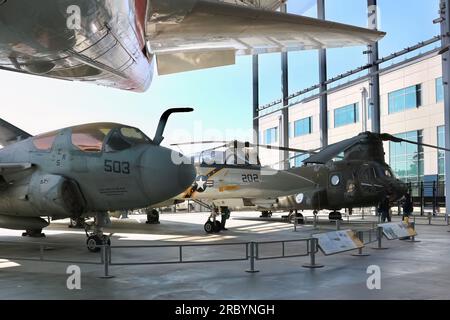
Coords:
413,238
106,252
295,223
429,218
41,252
252,259
434,198
315,221
422,199
313,248
338,225
379,239
360,250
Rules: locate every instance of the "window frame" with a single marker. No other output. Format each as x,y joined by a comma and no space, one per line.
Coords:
356,115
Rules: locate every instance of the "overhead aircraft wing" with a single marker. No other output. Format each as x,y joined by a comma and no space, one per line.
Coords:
195,34
10,134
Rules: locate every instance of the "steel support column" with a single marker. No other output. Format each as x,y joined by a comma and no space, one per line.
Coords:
445,31
284,155
323,114
255,99
374,90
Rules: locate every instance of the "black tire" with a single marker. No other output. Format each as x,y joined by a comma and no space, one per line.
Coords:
94,243
209,227
217,226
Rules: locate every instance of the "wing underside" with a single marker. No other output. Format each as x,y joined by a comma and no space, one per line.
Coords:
10,134
194,34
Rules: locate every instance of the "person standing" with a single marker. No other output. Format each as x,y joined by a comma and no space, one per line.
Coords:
225,216
407,206
384,208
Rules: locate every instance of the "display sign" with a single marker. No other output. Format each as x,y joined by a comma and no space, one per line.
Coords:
396,230
338,241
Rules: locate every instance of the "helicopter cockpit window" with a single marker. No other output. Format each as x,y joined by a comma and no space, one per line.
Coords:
367,174
388,173
90,138
44,142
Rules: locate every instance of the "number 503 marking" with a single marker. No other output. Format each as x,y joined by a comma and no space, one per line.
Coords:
117,167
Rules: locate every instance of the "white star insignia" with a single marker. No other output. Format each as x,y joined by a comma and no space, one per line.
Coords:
201,184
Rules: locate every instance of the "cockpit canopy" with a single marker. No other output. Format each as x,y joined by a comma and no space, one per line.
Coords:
238,157
97,137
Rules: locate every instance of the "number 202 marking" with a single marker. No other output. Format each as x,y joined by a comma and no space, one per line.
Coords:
117,167
249,178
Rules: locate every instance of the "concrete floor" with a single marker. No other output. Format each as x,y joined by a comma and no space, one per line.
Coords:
409,270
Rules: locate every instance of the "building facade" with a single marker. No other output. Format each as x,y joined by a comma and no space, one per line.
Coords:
412,107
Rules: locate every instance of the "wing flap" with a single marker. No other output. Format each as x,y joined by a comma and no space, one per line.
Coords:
187,61
177,26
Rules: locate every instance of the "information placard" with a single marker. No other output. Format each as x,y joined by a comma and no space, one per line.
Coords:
338,241
396,230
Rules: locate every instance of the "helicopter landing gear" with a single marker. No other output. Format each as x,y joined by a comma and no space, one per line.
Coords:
266,214
212,225
78,223
34,234
96,239
333,216
296,215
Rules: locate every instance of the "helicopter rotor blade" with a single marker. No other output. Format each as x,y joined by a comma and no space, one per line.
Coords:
269,147
197,142
389,137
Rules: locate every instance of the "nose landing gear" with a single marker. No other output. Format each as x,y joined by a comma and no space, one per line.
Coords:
96,238
213,225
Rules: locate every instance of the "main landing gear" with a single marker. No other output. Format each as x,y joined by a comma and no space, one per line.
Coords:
34,234
96,238
333,216
212,225
266,214
78,223
296,215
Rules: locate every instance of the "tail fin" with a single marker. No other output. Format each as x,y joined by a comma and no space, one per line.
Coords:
10,134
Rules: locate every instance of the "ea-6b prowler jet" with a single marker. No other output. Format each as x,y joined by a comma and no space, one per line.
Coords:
349,174
116,43
85,171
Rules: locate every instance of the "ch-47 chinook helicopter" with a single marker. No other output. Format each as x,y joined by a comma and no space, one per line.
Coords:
349,174
85,171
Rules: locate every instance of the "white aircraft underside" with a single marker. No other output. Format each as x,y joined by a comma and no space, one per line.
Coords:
117,42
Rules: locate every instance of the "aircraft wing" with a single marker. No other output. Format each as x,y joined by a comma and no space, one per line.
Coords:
10,169
10,134
195,34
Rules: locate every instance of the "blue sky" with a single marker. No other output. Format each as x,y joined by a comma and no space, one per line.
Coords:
222,97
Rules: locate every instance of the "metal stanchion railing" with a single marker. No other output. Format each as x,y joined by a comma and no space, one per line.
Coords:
413,238
429,218
106,258
360,250
338,225
252,259
313,245
379,239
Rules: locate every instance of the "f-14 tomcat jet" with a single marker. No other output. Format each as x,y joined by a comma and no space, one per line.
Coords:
85,171
116,43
